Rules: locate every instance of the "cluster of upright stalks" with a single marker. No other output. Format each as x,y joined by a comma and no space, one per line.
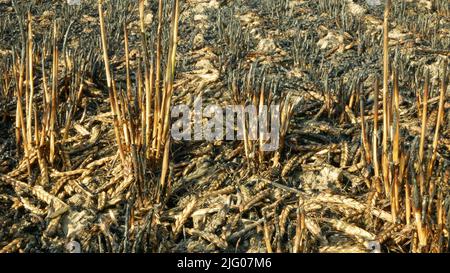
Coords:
405,176
141,119
40,132
267,110
36,142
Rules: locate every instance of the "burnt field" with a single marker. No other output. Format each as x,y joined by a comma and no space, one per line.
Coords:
355,94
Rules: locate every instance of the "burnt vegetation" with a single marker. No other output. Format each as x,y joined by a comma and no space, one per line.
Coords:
87,162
